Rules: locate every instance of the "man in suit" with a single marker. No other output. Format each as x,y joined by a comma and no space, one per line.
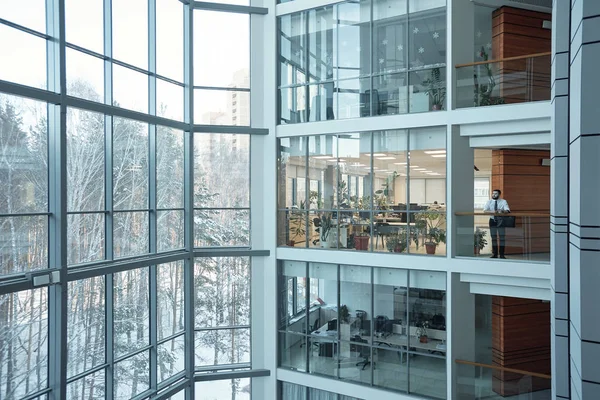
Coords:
496,205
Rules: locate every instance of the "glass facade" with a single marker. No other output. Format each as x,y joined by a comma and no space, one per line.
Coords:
362,58
382,191
382,327
111,195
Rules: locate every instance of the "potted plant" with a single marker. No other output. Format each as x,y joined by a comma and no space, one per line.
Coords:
422,332
344,314
479,240
431,223
297,224
325,230
483,92
398,242
361,241
436,89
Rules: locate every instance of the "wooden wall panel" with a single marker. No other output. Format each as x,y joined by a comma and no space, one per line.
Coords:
525,185
520,340
517,32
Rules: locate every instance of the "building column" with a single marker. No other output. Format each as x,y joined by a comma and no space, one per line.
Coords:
576,189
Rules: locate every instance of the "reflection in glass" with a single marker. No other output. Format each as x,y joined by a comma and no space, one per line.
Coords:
170,299
131,311
132,376
291,353
222,291
238,389
24,351
213,35
85,76
130,233
91,387
85,238
222,346
130,89
169,230
221,228
170,358
85,326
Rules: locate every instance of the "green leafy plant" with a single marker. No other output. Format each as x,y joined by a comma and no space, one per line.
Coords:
431,223
344,313
483,92
479,240
297,221
436,88
398,242
325,228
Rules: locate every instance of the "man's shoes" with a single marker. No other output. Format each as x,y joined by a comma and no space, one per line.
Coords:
494,256
502,257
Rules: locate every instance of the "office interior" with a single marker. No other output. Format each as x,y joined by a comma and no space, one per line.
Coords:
379,326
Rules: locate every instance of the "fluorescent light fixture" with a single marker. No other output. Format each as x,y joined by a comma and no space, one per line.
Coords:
321,157
399,163
358,165
386,158
414,166
435,152
432,173
420,169
439,155
335,159
377,155
383,170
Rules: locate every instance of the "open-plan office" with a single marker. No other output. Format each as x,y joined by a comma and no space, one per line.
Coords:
369,325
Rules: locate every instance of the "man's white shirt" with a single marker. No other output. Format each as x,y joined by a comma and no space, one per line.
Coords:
502,206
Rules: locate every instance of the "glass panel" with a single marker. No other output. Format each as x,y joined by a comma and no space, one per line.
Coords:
32,15
222,291
85,238
85,160
24,351
169,41
24,244
130,31
130,89
292,41
222,107
217,156
292,298
391,370
85,24
131,308
132,376
427,90
227,35
427,182
171,358
224,228
238,389
169,167
428,376
427,33
169,100
352,99
130,164
170,228
292,104
85,76
222,346
130,234
170,299
389,36
353,49
23,165
292,391
92,387
85,328
393,95
292,351
320,42
321,107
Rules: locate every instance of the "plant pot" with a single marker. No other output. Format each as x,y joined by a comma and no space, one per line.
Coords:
291,243
361,242
325,245
436,107
398,249
477,251
423,339
430,248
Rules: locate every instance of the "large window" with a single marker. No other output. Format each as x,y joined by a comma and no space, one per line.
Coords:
382,191
384,327
362,58
112,207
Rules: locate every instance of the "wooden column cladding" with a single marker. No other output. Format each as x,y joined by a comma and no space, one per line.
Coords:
525,185
520,340
517,32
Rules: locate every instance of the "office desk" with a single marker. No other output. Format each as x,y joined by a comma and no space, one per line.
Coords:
401,341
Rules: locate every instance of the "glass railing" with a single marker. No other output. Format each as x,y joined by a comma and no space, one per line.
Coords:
505,81
519,235
476,381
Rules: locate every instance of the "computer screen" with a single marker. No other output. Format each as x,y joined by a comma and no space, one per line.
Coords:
332,325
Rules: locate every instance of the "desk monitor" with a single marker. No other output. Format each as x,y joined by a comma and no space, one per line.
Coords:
332,325
365,328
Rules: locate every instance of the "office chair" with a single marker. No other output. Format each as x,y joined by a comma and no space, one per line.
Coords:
364,352
312,328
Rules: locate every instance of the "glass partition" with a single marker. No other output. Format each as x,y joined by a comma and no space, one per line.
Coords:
383,191
374,326
362,58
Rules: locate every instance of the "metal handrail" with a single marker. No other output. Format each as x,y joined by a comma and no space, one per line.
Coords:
503,59
498,368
